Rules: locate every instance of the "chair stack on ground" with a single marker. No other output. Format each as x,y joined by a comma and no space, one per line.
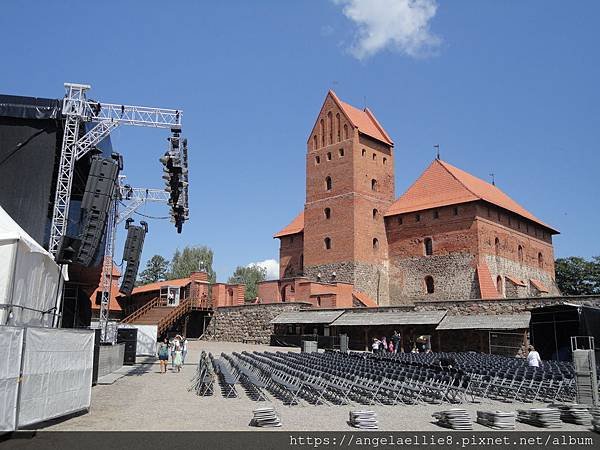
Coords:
540,417
456,419
577,414
499,420
595,412
265,417
203,381
365,420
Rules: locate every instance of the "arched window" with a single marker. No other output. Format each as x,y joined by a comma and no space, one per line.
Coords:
375,213
322,123
374,156
374,185
328,156
315,142
429,287
318,300
428,246
520,251
364,152
540,260
345,131
499,284
338,127
330,125
341,152
327,242
497,246
328,183
384,161
317,160
327,213
375,243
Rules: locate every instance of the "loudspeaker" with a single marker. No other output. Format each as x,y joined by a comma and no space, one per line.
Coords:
68,250
127,335
131,254
129,359
99,191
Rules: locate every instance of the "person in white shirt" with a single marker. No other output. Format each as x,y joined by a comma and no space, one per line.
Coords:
533,358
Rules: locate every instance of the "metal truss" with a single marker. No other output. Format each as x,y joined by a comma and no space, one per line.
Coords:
138,197
77,109
107,269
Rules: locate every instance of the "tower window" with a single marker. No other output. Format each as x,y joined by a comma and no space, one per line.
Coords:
428,246
384,161
417,217
339,127
330,125
317,160
291,239
399,220
374,185
374,156
375,243
497,246
456,211
375,213
341,152
520,251
499,284
436,214
328,156
345,131
322,123
540,260
364,152
327,242
318,300
315,142
328,183
429,288
328,213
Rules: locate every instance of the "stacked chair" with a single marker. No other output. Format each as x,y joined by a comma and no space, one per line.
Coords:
204,378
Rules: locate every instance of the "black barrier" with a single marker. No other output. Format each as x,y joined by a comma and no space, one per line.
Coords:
295,340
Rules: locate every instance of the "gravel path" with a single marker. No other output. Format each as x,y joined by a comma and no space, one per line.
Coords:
148,400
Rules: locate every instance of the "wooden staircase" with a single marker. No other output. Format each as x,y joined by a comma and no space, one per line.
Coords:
155,312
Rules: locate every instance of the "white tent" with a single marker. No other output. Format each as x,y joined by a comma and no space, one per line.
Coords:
30,280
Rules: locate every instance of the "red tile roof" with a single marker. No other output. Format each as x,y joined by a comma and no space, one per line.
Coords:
515,281
487,287
179,282
364,120
364,299
296,226
442,184
539,285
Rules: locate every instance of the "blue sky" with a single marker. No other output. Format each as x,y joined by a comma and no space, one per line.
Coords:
506,87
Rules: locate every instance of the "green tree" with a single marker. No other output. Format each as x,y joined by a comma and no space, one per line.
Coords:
192,259
157,269
250,276
578,276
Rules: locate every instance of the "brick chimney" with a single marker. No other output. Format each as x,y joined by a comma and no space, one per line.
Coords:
199,276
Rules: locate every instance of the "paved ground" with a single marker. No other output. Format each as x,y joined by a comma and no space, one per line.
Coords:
148,400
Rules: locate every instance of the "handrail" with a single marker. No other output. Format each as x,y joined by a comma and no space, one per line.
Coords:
181,309
141,311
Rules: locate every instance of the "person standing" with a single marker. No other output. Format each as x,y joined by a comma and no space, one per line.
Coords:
375,345
175,344
396,340
163,355
384,346
391,346
533,358
183,349
177,361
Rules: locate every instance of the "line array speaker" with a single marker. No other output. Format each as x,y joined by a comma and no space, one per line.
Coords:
131,254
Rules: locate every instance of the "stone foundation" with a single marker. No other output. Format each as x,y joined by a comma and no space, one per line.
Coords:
503,266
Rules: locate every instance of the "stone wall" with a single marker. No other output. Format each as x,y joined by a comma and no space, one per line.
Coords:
371,279
499,265
236,323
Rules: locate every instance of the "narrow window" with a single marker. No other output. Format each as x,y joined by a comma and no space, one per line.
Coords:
364,152
384,161
345,131
540,260
428,245
322,133
327,243
374,185
417,217
519,224
497,246
374,156
317,160
328,183
399,220
509,221
520,251
341,152
301,262
489,212
328,156
375,243
499,217
315,142
436,214
429,288
318,301
455,211
499,284
339,127
328,213
375,213
291,239
330,125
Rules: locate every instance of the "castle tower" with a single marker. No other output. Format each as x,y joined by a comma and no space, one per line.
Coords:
349,186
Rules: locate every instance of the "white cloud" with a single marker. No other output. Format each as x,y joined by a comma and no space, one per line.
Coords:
402,25
271,265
